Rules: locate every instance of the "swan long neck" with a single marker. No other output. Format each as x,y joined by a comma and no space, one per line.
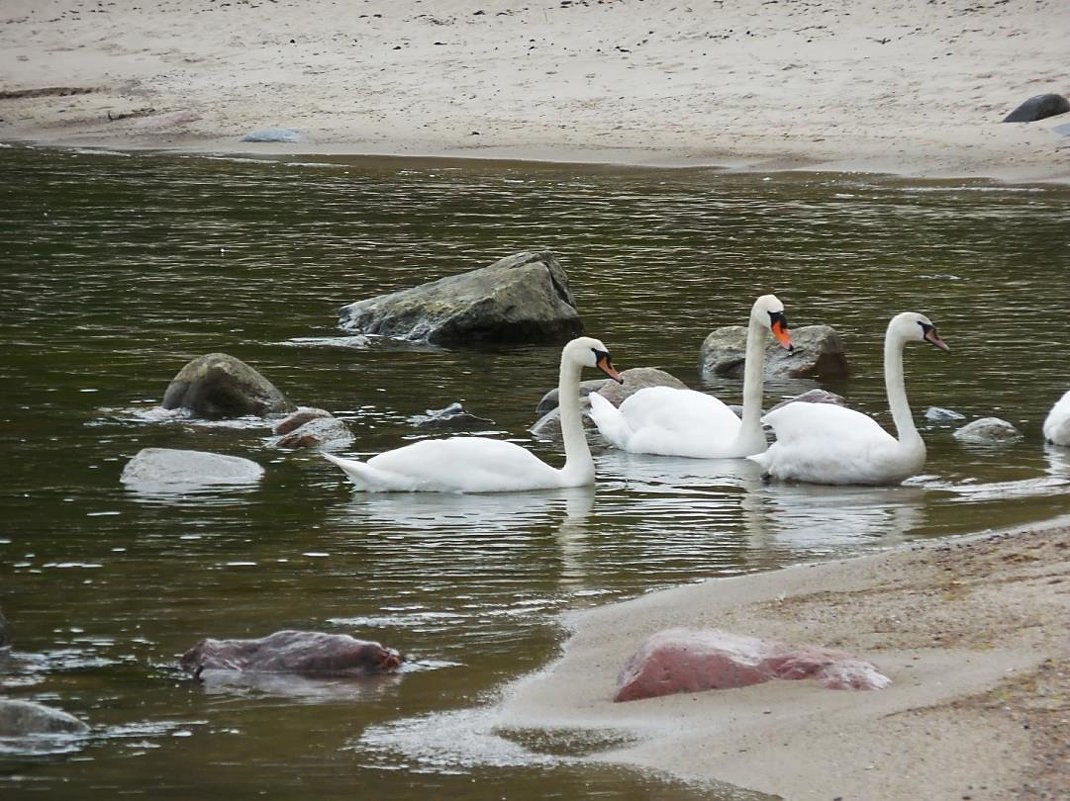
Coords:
753,379
578,457
895,386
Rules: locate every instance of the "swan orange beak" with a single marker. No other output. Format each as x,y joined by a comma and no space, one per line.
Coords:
779,327
604,364
933,338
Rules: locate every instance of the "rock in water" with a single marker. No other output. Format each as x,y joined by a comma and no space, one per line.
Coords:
522,298
161,469
218,385
306,653
819,353
25,719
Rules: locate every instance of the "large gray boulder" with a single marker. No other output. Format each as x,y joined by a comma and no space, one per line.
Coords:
818,353
522,298
163,469
1039,107
26,718
218,385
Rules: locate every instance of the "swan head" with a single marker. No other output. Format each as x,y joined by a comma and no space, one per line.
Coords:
590,352
911,327
769,311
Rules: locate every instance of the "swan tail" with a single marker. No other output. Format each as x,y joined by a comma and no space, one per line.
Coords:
610,422
363,476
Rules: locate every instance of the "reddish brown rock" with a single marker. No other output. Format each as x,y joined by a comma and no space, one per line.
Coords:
306,653
690,660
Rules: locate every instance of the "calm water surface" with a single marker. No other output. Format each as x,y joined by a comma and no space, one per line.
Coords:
118,269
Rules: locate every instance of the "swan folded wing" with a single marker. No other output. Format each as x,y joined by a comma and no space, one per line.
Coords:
832,445
465,464
673,422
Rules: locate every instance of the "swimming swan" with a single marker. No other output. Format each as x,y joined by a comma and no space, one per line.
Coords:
480,464
827,444
667,421
1057,423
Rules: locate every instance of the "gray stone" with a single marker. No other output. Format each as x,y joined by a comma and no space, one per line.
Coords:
218,385
813,396
26,718
1039,107
988,431
5,637
304,414
938,414
635,379
317,432
521,298
819,353
307,653
159,468
452,418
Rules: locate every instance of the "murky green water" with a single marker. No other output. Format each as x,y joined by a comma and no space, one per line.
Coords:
116,270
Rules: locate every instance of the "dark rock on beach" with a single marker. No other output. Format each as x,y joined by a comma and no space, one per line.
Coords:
218,385
521,298
1039,107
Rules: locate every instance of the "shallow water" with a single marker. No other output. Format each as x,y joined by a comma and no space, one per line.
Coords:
120,268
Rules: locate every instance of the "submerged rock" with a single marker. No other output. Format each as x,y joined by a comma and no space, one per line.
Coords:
4,636
813,396
26,718
692,660
218,385
451,418
988,431
635,379
310,427
163,468
521,298
818,353
306,653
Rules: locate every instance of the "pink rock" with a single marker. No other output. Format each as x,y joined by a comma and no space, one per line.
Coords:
690,660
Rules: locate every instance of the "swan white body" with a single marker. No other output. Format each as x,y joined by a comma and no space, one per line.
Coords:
826,444
666,421
480,464
1057,423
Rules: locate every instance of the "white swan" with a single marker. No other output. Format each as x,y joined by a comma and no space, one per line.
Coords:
1057,423
667,421
480,464
827,444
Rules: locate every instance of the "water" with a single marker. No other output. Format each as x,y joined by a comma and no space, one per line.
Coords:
117,269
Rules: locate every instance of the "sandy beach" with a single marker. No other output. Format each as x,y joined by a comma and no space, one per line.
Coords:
913,87
972,631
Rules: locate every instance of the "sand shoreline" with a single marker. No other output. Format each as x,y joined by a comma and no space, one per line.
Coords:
908,88
971,630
